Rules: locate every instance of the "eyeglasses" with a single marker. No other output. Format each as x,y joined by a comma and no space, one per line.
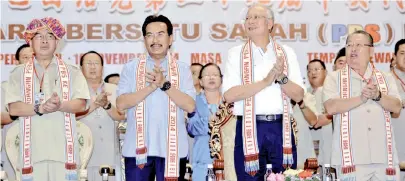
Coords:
315,70
209,76
44,37
357,45
254,17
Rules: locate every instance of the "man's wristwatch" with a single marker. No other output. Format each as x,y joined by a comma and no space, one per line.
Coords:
190,115
166,86
378,97
282,81
36,109
300,104
108,106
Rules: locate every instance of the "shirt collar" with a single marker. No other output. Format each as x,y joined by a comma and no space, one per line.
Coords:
268,47
99,89
314,91
367,74
399,73
53,61
150,59
204,98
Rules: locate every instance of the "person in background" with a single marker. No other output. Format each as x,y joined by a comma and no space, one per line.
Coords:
340,60
101,116
398,121
156,90
24,54
195,71
207,103
393,63
261,93
305,115
45,94
112,79
360,97
322,130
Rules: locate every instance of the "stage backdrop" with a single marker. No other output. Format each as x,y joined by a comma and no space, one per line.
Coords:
204,30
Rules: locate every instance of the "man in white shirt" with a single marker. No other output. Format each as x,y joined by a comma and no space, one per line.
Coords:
262,93
322,131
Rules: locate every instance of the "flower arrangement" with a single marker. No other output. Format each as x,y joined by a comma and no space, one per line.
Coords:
294,175
300,175
275,177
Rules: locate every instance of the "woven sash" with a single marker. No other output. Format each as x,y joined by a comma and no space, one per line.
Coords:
172,157
250,148
348,166
70,164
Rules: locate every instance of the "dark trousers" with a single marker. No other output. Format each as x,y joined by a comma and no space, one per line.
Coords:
270,141
155,166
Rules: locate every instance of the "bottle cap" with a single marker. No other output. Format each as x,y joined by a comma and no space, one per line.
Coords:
326,165
105,176
210,166
269,166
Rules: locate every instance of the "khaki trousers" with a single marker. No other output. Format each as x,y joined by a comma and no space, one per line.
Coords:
372,172
49,171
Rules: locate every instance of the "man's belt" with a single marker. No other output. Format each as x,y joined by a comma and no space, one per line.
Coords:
266,117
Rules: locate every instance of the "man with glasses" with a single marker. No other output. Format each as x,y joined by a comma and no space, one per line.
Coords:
156,89
261,77
322,130
101,116
361,98
45,94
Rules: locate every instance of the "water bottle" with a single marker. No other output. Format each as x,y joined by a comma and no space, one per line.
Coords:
268,172
188,175
327,175
210,173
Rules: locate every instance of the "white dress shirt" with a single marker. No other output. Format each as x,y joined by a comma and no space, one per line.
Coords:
269,100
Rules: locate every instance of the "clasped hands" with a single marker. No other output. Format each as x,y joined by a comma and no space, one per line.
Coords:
155,77
102,99
276,73
51,105
370,91
54,103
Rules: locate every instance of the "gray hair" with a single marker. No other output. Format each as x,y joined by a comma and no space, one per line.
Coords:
270,13
370,38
